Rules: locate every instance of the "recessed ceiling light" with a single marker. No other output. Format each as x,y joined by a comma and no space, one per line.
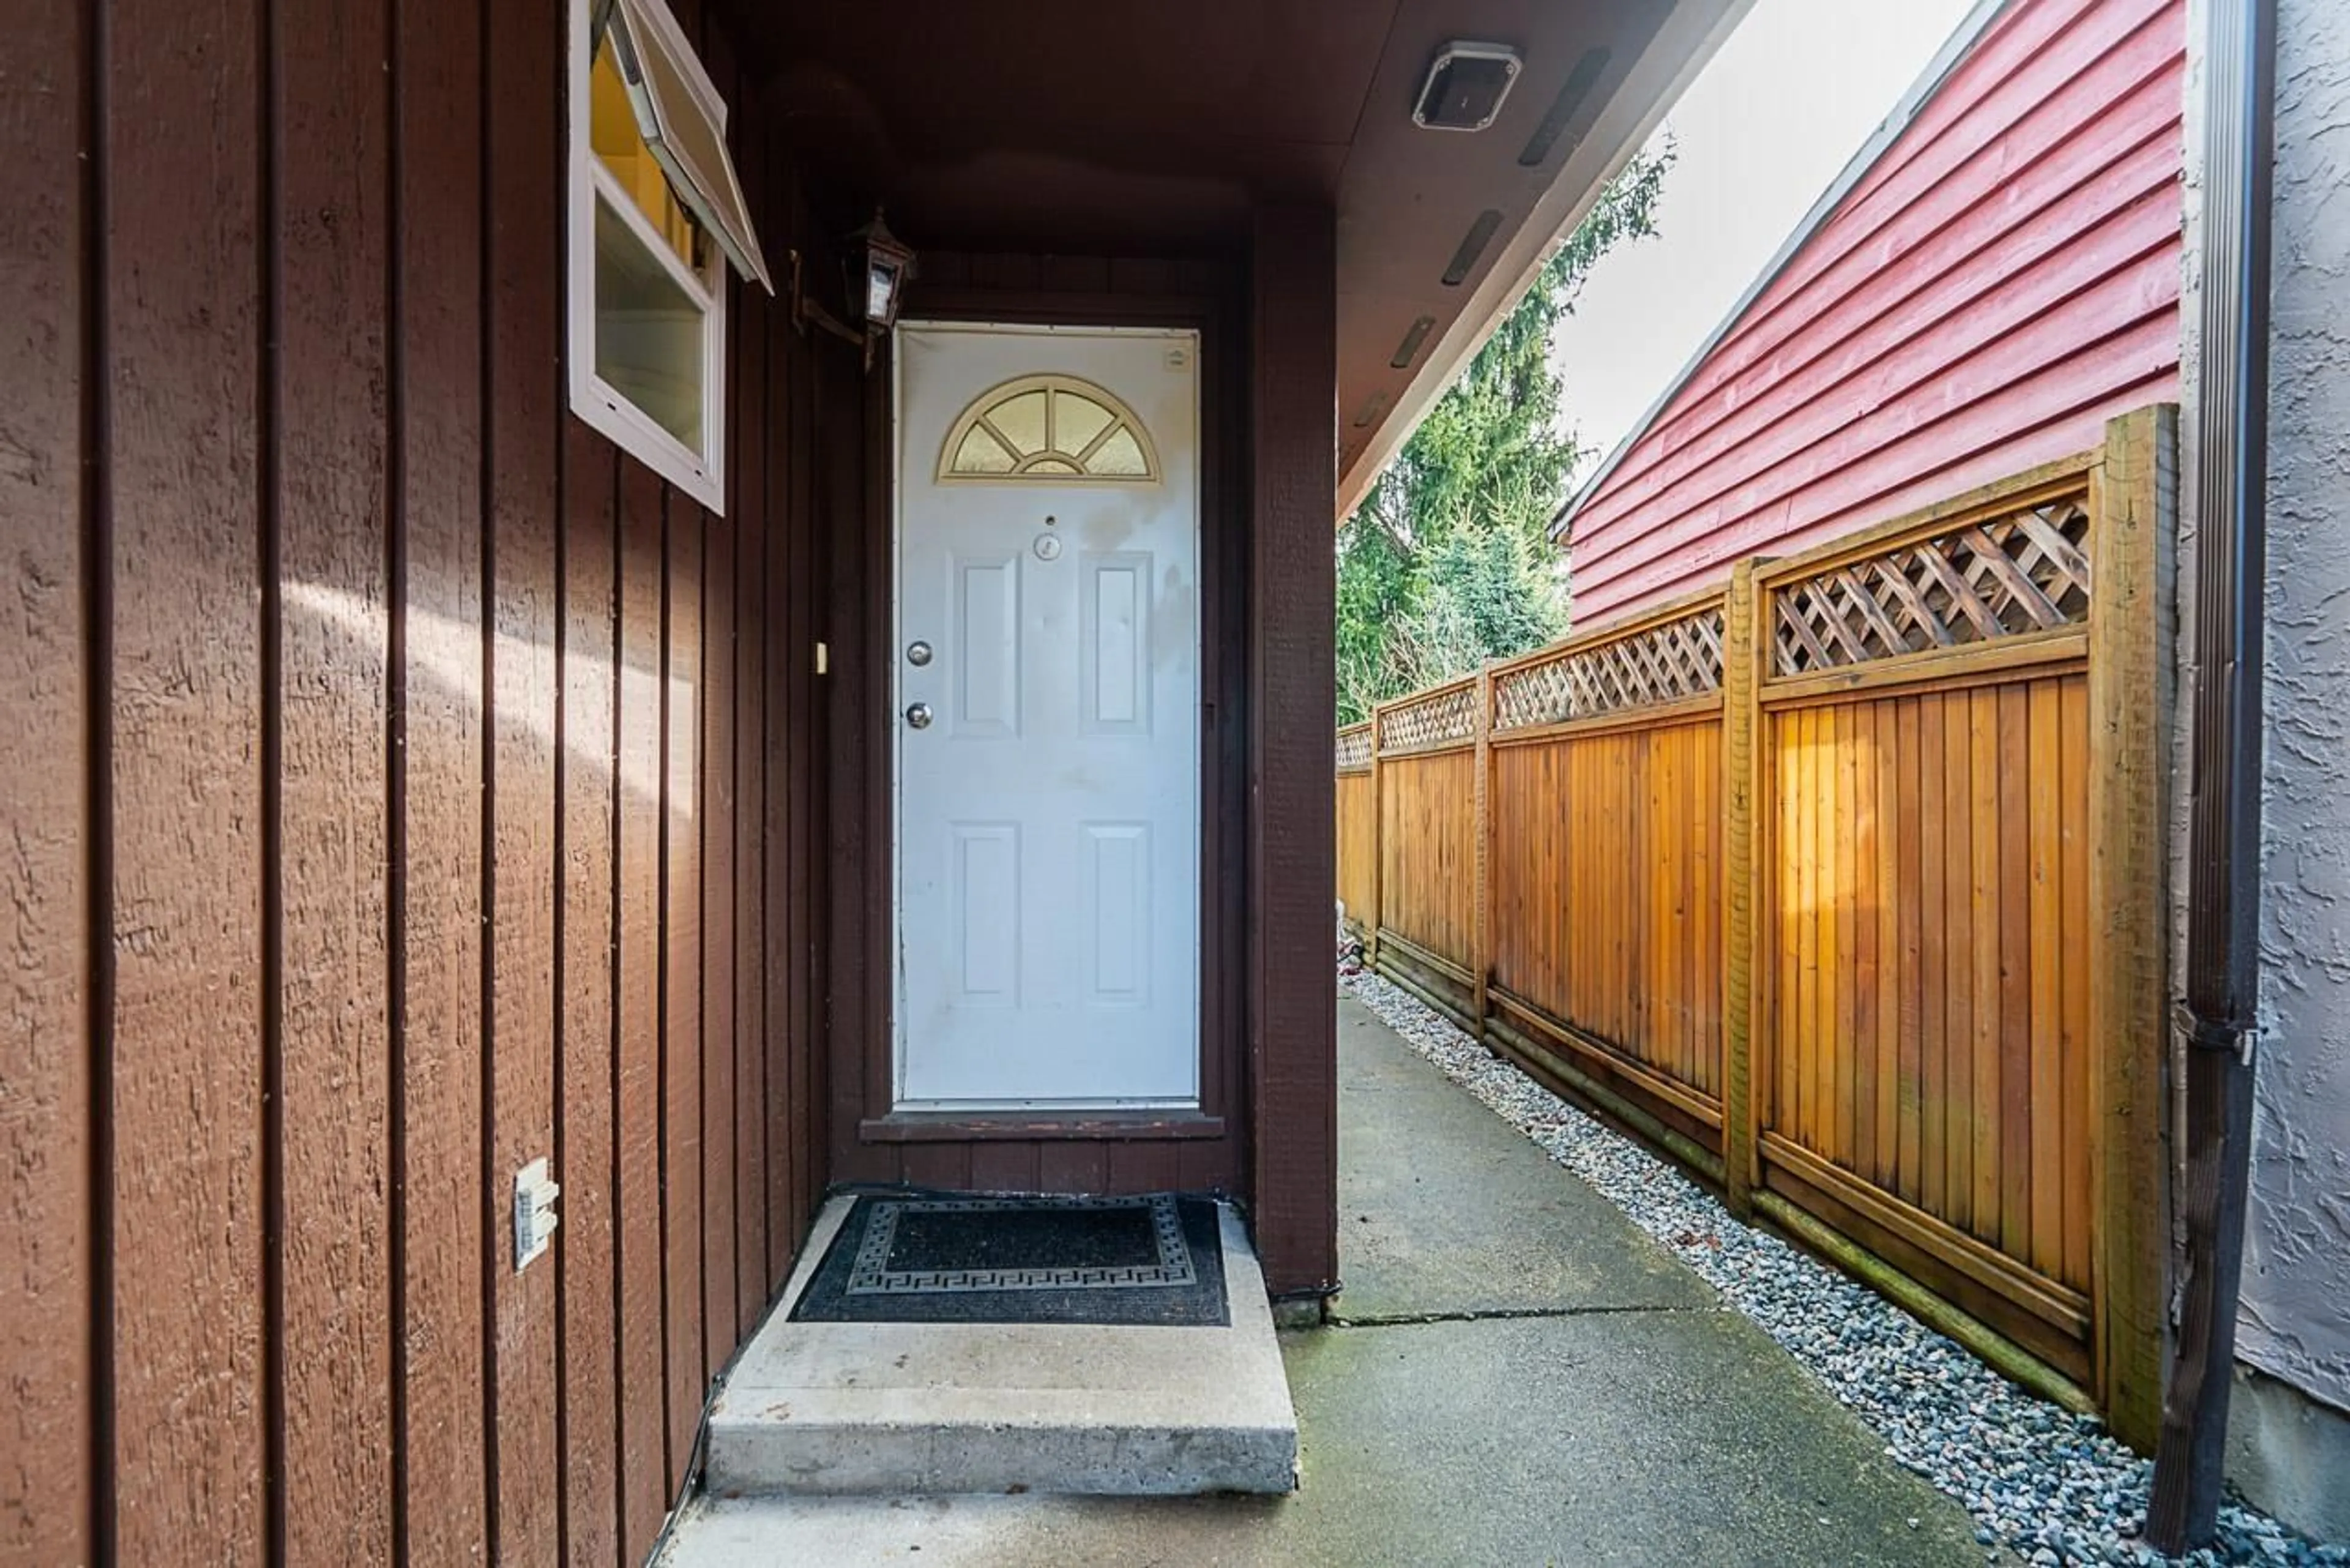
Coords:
1466,84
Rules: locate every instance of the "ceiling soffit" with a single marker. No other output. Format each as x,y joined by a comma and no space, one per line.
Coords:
1132,126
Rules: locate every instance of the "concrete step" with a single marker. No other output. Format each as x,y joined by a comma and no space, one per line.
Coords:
890,1409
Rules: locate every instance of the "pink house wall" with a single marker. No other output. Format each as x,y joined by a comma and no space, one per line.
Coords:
2002,280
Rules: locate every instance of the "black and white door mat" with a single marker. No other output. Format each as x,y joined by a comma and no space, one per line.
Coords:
936,1257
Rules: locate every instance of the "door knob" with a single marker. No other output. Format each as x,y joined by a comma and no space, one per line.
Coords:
918,715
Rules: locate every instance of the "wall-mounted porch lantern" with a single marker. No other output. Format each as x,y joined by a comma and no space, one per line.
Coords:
889,263
881,263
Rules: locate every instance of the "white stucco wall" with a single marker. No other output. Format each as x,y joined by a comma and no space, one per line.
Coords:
2290,1438
2296,1323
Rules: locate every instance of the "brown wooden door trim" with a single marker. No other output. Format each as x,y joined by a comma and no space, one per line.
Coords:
870,1140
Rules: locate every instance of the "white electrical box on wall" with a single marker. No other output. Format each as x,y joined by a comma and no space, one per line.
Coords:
534,1212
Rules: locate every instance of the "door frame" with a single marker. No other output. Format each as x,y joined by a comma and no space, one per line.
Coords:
894,673
871,1141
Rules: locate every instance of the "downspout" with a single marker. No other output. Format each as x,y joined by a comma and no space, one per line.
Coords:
2216,1019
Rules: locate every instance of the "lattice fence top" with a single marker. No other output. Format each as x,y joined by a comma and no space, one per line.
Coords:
1354,749
2026,571
1667,662
1440,718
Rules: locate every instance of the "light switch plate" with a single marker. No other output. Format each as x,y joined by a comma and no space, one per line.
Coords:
535,1217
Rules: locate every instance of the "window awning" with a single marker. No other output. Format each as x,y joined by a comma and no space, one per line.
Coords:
684,125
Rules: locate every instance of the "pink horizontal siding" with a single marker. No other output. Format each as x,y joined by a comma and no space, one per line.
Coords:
2001,280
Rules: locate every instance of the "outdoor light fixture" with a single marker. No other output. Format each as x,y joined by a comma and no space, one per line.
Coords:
888,264
879,267
1466,84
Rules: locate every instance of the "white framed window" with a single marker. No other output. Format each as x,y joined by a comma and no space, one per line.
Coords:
656,214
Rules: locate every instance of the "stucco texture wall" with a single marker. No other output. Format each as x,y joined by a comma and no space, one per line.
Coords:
2295,1322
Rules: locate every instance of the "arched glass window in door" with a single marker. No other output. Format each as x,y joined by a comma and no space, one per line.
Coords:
1048,428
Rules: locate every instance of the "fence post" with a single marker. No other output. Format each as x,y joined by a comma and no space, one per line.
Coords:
1743,640
2131,527
1481,925
1378,852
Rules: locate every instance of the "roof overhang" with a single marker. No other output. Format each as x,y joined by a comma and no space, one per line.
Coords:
1396,237
1135,127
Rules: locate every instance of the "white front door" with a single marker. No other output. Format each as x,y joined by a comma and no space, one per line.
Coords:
1047,675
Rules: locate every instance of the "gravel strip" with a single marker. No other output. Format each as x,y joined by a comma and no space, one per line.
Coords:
2041,1481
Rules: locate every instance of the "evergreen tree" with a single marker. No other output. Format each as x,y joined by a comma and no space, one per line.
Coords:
1447,561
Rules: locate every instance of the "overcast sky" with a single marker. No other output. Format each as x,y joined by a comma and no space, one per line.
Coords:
1776,114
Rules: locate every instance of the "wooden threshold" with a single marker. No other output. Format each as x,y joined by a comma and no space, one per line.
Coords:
963,1127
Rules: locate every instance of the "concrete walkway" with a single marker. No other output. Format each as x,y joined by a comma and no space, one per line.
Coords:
1517,1375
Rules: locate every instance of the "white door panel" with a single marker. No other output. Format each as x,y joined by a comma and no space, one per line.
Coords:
984,649
1115,883
1114,642
985,903
1048,817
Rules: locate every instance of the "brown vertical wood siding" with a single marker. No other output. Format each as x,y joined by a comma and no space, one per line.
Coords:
54,881
1293,705
524,59
403,785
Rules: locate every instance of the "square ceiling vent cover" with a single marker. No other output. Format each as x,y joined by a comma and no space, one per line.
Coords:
1465,85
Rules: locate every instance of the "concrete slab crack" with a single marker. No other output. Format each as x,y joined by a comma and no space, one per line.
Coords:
1499,1315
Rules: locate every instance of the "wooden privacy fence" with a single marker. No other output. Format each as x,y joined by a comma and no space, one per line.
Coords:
1843,885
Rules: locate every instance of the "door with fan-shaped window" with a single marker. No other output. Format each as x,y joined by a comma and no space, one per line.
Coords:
1047,690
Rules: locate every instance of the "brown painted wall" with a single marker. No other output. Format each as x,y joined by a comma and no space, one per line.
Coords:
402,785
1292,707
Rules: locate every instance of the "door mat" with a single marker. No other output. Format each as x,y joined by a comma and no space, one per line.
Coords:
908,1258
